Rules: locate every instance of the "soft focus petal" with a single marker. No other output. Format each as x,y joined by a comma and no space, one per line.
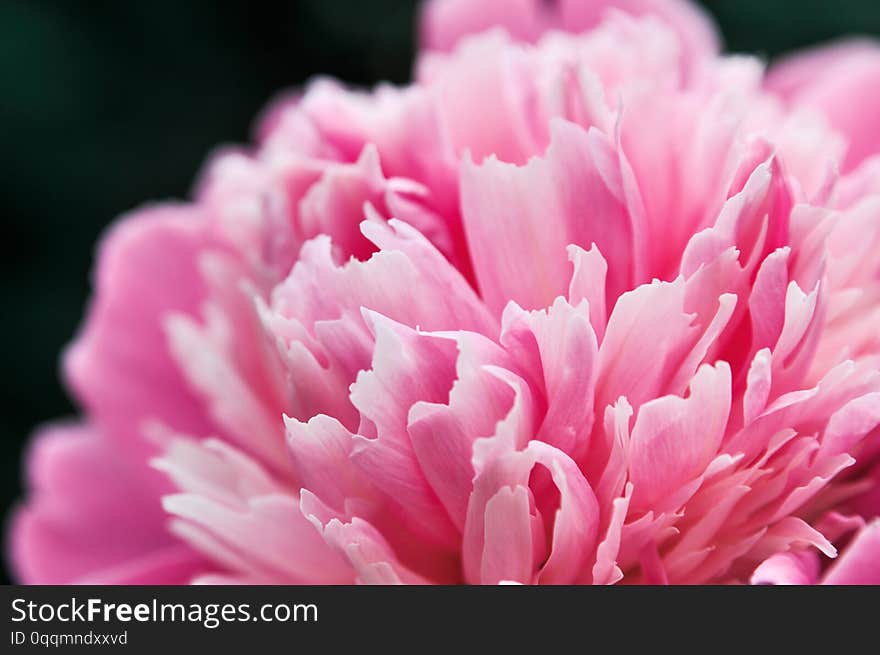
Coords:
445,22
859,564
120,367
94,516
829,80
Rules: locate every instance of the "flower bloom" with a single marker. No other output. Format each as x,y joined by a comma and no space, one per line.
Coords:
587,302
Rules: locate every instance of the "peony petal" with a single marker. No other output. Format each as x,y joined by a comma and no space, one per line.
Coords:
560,344
674,438
588,283
321,451
825,79
648,324
859,564
120,366
443,435
227,499
94,516
373,560
508,545
318,289
574,524
407,368
445,22
573,195
801,568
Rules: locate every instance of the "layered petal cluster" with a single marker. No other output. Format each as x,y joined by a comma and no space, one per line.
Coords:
586,303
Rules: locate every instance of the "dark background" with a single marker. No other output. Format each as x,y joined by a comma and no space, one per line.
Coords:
106,105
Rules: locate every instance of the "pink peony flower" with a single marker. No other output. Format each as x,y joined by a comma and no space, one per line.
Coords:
586,303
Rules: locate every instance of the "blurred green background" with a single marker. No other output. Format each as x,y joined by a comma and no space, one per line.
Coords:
106,105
